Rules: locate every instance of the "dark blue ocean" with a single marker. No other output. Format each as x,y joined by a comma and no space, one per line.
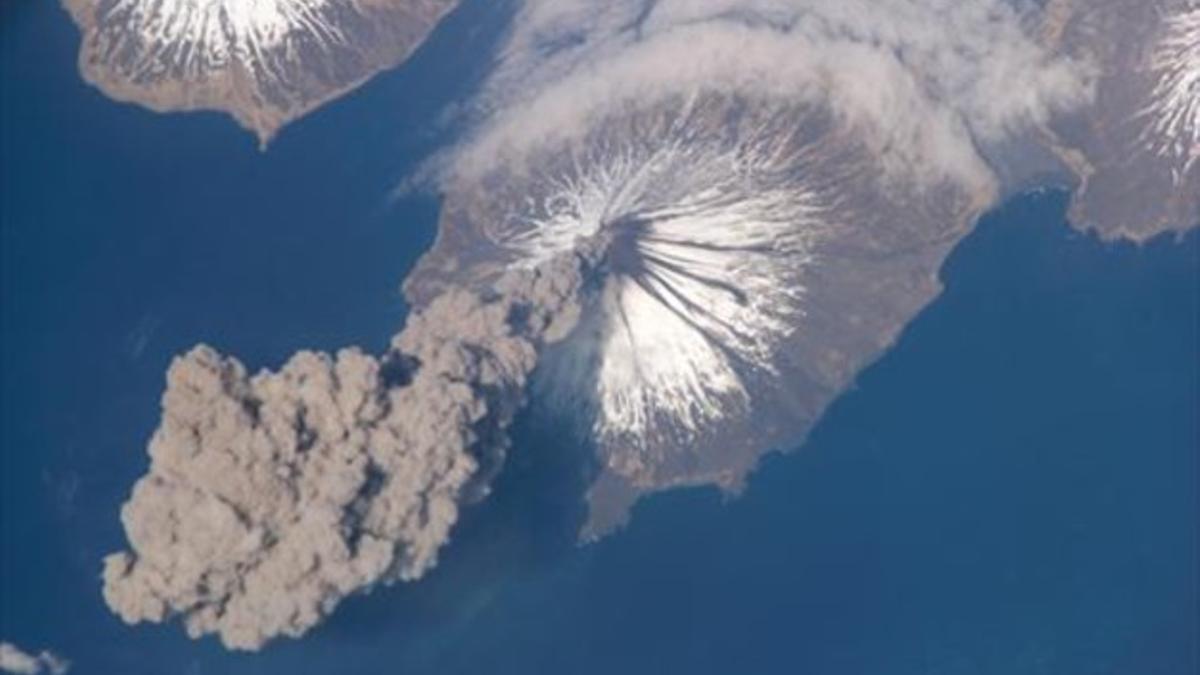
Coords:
1012,490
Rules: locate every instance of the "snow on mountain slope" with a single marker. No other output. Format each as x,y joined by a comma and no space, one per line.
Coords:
1175,101
1135,151
265,62
706,237
753,256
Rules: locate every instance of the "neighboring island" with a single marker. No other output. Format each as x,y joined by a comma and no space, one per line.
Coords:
265,63
1136,150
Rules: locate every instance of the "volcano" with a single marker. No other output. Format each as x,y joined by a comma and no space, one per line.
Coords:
265,62
752,256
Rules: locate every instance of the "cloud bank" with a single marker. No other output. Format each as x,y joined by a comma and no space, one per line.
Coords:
925,82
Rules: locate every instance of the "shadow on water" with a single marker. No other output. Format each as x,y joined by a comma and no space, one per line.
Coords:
965,522
176,229
528,524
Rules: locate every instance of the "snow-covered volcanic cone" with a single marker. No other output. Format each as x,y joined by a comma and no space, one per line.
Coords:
1175,103
769,189
1135,150
752,258
707,227
265,62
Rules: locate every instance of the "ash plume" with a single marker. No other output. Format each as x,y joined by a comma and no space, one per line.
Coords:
271,497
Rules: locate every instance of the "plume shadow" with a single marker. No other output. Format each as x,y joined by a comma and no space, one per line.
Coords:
529,522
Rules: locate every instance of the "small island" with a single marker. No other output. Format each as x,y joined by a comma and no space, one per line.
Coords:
263,63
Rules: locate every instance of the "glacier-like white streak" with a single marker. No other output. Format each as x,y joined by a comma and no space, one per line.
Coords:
706,227
1175,104
200,36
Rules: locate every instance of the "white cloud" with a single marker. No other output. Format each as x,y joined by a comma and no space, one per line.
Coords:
924,82
13,659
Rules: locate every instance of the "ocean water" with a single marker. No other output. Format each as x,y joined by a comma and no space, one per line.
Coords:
1011,490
